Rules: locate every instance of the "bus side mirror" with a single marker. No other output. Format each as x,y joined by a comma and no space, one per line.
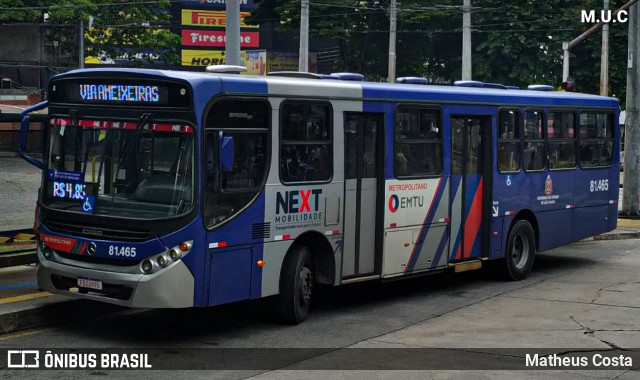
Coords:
227,152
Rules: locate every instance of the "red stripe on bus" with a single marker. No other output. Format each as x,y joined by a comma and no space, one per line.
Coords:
474,221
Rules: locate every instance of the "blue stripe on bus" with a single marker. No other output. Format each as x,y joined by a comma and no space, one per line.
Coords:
441,247
456,183
234,275
427,222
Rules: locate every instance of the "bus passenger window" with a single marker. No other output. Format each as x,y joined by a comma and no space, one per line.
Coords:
418,143
305,148
561,140
533,152
509,145
596,139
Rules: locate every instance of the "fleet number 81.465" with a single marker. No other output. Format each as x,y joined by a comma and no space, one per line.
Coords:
114,250
599,185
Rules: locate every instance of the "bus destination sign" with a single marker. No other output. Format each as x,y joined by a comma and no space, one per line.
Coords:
130,92
121,93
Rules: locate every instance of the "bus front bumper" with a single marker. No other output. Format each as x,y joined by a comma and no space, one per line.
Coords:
171,287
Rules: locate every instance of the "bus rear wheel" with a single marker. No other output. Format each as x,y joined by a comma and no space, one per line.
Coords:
296,286
521,251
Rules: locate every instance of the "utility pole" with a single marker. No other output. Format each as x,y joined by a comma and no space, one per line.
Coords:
303,63
391,76
232,33
631,188
81,45
604,56
466,40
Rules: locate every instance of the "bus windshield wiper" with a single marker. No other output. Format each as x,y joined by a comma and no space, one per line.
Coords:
142,121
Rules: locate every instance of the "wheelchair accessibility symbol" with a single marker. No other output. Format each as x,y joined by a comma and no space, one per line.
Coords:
87,205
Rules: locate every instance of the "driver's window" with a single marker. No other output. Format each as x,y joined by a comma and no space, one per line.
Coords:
246,122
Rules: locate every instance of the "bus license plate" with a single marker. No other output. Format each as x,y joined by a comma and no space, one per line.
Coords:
90,283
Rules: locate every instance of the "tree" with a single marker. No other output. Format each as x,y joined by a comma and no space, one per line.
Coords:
515,42
361,30
129,29
520,43
20,11
136,30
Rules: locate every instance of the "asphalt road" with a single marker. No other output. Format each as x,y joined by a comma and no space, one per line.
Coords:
586,295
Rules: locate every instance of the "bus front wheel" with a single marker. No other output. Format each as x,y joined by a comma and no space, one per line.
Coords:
296,286
521,251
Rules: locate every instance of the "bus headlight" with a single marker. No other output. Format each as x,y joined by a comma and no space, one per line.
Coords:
47,253
162,260
147,266
175,255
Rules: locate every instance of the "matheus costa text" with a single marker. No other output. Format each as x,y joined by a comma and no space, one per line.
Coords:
597,360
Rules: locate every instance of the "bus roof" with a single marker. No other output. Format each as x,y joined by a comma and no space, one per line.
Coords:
290,86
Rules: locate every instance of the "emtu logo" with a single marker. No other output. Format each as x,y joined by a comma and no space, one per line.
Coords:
394,203
606,16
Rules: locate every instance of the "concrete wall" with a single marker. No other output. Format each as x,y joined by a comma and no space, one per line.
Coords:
19,43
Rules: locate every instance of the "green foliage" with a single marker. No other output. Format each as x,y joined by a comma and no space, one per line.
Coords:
134,27
21,11
515,42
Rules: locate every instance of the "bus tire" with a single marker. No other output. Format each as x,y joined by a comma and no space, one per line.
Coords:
296,286
521,251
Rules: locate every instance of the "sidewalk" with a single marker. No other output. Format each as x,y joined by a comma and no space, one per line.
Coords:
19,183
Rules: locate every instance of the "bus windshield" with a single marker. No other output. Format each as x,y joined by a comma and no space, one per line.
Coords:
139,169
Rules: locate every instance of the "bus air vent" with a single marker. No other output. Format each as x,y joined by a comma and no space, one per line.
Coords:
468,83
261,230
412,80
540,87
226,69
298,74
349,76
98,232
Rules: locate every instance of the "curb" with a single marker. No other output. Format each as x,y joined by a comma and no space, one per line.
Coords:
618,236
60,312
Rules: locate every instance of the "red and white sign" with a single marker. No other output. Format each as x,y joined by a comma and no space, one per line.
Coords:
217,38
58,243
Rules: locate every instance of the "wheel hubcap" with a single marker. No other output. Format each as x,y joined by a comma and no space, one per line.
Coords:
520,251
306,285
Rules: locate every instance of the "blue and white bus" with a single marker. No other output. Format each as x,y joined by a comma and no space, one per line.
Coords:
165,189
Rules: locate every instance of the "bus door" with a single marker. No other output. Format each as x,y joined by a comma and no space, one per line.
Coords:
362,133
471,180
